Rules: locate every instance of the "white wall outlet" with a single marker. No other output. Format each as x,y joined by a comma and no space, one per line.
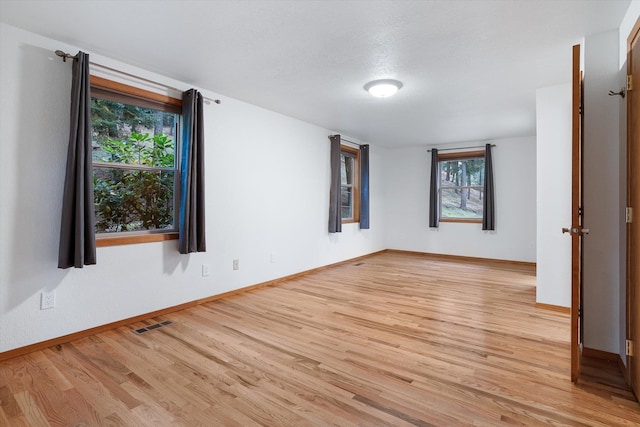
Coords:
236,264
205,270
273,258
47,300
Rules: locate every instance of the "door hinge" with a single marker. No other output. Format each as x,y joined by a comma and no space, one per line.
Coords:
629,350
629,82
628,215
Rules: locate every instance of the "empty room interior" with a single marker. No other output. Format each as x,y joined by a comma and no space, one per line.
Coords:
314,213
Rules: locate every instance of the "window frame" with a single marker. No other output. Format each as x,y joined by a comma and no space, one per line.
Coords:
119,92
447,157
346,150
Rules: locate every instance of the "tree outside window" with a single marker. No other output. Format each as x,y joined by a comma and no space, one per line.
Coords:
461,186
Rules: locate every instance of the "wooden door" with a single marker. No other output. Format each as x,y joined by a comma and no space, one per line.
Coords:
576,215
633,201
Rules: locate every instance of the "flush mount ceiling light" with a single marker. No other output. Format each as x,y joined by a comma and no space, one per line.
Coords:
383,88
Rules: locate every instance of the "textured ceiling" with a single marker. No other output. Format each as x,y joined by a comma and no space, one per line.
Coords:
470,68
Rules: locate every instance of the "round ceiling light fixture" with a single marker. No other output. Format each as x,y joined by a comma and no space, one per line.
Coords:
383,88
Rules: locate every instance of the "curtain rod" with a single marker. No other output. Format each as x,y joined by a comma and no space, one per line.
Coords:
460,148
346,140
65,56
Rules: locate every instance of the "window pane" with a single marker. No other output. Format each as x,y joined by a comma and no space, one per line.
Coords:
346,169
133,200
475,171
349,184
462,172
347,202
461,202
133,135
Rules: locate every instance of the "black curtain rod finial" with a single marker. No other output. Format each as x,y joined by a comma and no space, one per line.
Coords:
64,55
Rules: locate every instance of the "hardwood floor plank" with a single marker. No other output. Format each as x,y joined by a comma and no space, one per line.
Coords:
395,339
8,404
30,409
111,385
91,390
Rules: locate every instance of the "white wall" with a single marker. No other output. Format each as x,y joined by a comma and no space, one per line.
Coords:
629,20
602,197
267,193
553,129
407,200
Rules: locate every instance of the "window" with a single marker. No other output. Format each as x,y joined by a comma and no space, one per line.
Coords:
461,186
135,165
349,184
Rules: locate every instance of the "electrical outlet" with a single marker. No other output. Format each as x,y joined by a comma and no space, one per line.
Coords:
205,270
273,258
47,300
236,264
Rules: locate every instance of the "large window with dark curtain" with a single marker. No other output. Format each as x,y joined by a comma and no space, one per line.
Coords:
462,188
192,200
349,192
134,180
335,214
77,230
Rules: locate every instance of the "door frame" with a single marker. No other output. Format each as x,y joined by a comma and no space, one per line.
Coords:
576,213
633,287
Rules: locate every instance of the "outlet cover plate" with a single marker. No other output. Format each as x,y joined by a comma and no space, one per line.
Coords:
47,300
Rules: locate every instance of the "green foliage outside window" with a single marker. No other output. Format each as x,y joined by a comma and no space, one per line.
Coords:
134,167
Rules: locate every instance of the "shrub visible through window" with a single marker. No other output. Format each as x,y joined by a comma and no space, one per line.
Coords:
134,166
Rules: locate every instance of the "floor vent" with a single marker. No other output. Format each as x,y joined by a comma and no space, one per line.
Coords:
152,327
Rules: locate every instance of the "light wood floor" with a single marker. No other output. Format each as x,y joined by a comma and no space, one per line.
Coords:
394,339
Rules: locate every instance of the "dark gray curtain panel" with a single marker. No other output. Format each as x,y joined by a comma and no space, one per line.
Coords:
488,204
77,230
192,200
335,216
364,187
433,191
